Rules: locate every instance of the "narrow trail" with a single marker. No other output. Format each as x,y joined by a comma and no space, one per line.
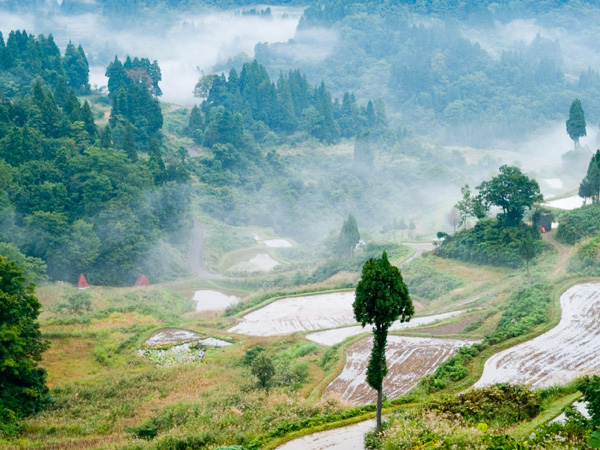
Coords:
420,248
564,253
195,260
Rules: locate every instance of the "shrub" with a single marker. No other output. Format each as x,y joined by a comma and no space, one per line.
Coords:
503,404
587,258
578,224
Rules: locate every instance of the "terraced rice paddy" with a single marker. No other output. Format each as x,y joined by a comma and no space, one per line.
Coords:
568,351
337,335
408,358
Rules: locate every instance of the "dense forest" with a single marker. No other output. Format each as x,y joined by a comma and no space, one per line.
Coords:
75,196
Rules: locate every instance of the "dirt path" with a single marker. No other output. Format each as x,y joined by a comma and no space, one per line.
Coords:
564,253
345,438
195,261
420,248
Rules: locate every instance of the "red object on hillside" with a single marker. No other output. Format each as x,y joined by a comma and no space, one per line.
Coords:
142,281
543,230
83,284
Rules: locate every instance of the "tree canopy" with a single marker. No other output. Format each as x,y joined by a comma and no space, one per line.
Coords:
512,191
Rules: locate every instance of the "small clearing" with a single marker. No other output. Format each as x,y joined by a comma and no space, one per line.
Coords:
567,203
292,314
344,438
260,263
335,336
408,359
207,300
566,352
277,243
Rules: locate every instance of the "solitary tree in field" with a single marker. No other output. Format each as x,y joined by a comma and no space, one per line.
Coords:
576,122
381,299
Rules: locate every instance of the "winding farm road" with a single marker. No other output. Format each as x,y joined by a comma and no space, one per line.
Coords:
195,260
564,253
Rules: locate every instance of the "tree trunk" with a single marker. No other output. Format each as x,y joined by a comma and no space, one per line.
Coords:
379,406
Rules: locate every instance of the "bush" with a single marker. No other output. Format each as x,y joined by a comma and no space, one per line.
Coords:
501,404
174,415
578,224
489,242
587,258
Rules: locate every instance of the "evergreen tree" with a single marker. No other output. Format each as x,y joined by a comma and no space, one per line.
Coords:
88,119
155,161
349,237
106,140
381,299
117,77
576,122
129,143
76,68
590,185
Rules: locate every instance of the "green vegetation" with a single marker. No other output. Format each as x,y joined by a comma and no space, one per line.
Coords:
525,309
578,224
22,381
587,258
381,299
506,241
490,242
576,122
78,199
427,282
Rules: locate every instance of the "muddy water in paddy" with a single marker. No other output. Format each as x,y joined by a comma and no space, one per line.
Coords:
568,351
345,438
408,359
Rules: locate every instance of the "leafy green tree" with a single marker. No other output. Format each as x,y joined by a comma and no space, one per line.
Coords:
263,369
576,122
23,388
512,191
381,299
349,237
469,206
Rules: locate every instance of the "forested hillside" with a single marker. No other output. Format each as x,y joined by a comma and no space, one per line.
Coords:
81,198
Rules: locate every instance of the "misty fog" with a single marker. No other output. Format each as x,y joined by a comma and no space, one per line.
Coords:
185,50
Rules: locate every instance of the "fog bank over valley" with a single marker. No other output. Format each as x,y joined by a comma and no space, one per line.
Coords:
186,49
